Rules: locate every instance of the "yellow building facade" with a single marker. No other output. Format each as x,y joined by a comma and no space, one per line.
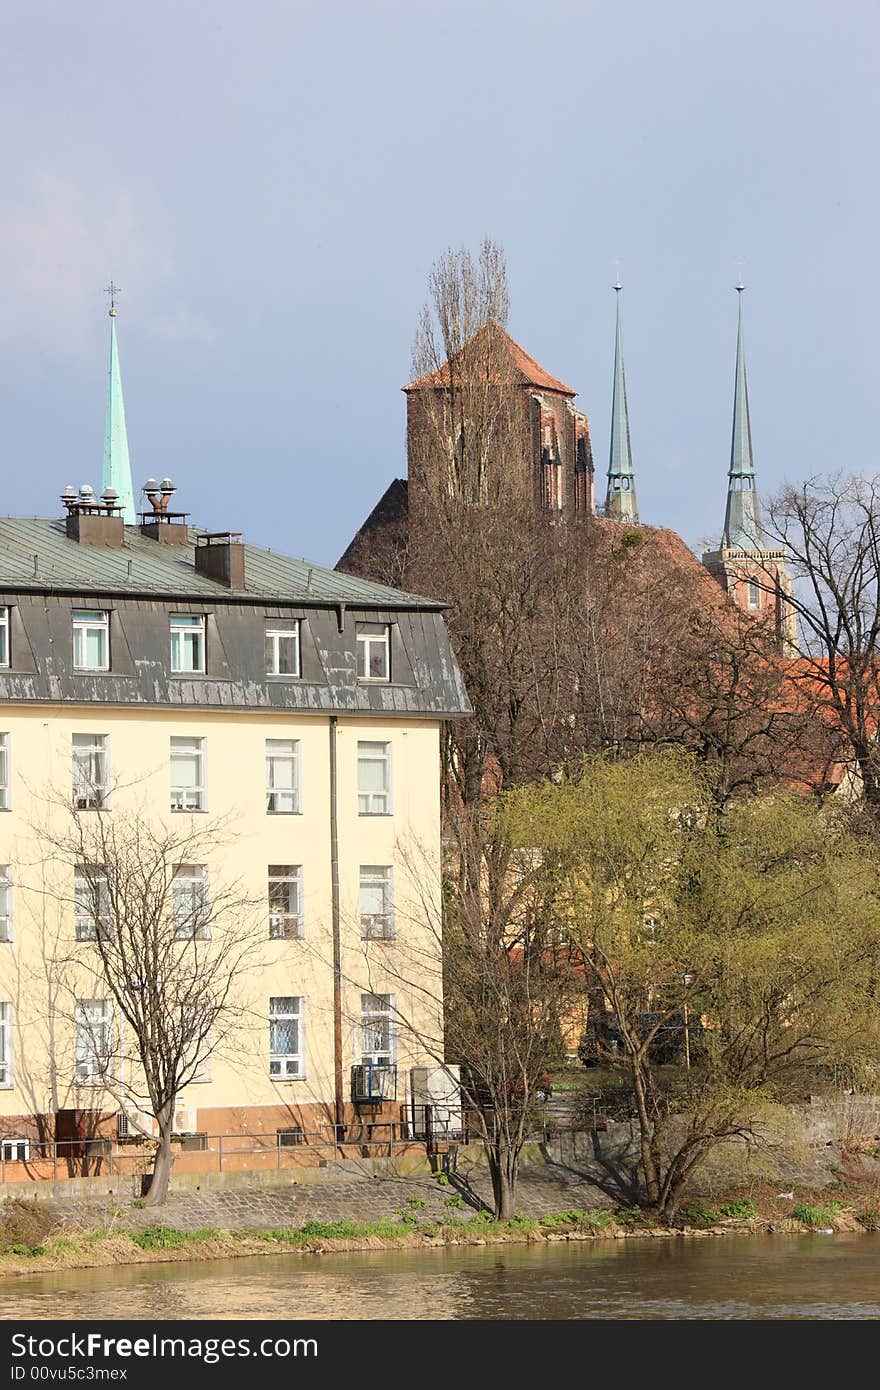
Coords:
297,744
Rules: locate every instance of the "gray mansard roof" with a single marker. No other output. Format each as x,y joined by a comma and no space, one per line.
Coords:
36,553
44,576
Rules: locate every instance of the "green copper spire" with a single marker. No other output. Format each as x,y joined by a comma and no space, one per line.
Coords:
742,520
117,467
620,499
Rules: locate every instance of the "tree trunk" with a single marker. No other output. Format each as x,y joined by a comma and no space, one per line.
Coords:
158,1190
503,1166
646,1131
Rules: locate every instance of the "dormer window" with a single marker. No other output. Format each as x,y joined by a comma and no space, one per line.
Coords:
282,649
91,640
4,636
373,652
187,644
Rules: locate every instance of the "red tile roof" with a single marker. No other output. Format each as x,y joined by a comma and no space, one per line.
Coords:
526,371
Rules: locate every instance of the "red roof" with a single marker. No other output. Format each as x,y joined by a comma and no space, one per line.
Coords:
526,371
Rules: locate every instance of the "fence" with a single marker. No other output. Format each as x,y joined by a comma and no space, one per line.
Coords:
35,1160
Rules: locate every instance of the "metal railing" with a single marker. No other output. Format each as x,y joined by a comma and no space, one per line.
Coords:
103,1156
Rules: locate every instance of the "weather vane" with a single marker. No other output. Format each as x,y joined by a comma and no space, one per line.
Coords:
114,292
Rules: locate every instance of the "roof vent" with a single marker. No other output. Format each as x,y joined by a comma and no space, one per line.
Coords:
159,524
94,522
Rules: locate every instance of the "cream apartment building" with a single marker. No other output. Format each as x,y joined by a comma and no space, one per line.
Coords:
155,674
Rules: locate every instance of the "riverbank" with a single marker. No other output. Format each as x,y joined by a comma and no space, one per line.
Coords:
70,1247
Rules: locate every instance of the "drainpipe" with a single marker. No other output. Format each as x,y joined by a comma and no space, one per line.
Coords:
337,943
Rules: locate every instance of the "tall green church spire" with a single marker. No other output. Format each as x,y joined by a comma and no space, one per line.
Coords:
117,466
620,498
742,519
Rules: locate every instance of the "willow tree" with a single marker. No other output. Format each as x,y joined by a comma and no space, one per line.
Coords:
761,923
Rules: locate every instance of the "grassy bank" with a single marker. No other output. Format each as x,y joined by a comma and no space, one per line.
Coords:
86,1248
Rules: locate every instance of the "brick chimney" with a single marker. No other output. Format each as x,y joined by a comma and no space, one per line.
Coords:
94,521
220,556
168,528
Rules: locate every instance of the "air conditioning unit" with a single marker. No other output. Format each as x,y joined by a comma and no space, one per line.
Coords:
372,1081
184,1119
135,1123
439,1090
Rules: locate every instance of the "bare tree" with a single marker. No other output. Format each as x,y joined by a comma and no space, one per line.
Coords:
168,948
830,528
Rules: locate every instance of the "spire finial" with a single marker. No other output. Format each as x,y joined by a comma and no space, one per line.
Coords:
117,465
740,266
620,497
114,291
617,285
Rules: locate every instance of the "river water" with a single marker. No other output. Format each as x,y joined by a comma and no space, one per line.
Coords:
809,1276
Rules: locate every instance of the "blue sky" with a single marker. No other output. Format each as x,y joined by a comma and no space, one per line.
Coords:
270,184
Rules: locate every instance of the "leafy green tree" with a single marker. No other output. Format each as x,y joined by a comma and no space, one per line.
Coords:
755,932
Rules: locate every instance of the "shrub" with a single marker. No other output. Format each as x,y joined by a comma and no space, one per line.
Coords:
158,1238
699,1215
456,1203
870,1219
630,1217
821,1215
742,1209
24,1222
416,1203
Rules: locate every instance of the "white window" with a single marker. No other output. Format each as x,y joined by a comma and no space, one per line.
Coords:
4,772
6,1046
187,643
373,652
4,637
282,650
374,779
377,902
16,1150
282,776
191,905
286,1038
754,594
188,783
377,1030
5,902
91,780
92,908
285,901
94,1039
91,640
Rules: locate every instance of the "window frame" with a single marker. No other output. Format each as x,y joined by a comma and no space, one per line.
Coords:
5,772
5,637
365,640
371,877
272,636
199,789
387,808
289,874
84,621
378,1057
98,745
179,626
88,927
95,1075
284,1059
15,1144
754,595
295,789
7,1057
6,904
188,928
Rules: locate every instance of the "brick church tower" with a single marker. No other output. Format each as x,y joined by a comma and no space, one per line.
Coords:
754,576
